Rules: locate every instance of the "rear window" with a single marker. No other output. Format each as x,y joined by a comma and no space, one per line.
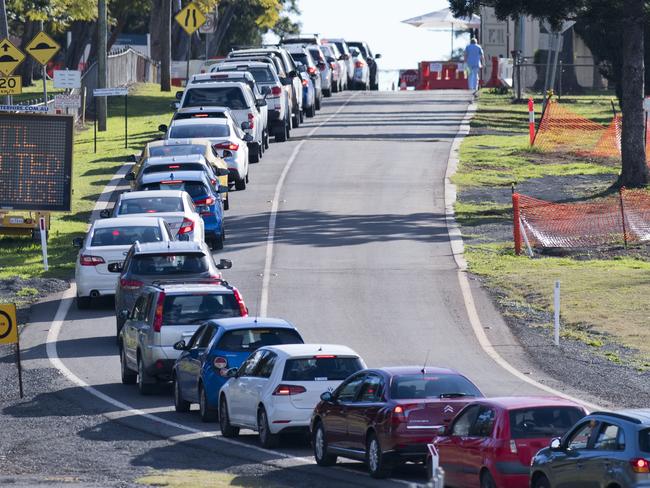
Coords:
197,308
262,75
538,422
125,236
302,57
230,96
199,131
644,440
320,369
150,205
249,340
194,188
315,53
438,386
166,168
177,149
169,264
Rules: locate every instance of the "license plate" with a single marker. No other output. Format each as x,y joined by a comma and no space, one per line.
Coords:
16,220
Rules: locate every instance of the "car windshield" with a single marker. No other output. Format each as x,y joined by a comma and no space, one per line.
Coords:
644,440
169,264
194,188
320,368
432,386
248,340
177,150
150,205
166,168
530,423
198,307
125,236
227,96
199,131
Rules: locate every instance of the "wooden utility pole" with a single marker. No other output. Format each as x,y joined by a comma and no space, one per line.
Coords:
166,46
102,62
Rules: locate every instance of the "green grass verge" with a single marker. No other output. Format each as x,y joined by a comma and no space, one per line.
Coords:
148,107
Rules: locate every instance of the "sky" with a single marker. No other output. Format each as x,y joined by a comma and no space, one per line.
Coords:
378,22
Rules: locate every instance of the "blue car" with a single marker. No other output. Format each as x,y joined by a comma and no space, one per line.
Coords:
206,197
217,346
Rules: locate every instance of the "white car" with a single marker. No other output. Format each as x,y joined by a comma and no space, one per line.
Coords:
276,389
174,206
108,241
361,76
227,139
338,65
239,98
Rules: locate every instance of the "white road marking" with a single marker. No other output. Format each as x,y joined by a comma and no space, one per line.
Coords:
457,247
105,197
266,277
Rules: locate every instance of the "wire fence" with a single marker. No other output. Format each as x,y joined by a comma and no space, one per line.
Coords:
570,79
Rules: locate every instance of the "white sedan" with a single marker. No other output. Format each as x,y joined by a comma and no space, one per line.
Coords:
108,241
276,389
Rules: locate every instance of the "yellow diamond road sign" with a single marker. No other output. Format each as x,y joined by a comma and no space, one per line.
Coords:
190,18
8,324
42,48
10,57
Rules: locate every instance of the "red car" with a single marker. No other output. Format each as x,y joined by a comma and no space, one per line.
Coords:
491,441
387,416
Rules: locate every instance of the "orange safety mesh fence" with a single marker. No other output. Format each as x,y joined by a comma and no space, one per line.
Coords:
609,144
619,219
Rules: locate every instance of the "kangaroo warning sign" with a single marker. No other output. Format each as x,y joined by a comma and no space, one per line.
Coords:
190,18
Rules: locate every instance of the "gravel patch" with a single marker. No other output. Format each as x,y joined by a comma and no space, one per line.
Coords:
25,291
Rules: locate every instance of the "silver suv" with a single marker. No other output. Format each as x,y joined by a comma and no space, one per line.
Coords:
163,314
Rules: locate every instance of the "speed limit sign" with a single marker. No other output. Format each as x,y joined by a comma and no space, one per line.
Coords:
210,24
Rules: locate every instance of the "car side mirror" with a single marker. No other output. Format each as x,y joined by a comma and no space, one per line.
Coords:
180,345
326,396
441,430
377,56
78,242
133,158
224,264
246,126
104,214
555,444
162,128
130,176
286,81
261,103
248,138
222,189
179,95
231,373
266,90
123,314
115,267
293,73
223,172
175,105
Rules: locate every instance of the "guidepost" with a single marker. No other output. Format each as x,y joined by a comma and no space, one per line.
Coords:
190,19
9,335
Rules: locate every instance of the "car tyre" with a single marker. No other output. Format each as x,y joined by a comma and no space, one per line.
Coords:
266,139
254,153
145,385
486,480
323,458
311,111
207,413
317,104
128,377
541,482
267,438
216,243
227,429
295,120
180,405
377,462
83,303
240,184
327,93
302,116
226,204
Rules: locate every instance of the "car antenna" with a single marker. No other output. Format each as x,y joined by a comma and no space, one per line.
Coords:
424,368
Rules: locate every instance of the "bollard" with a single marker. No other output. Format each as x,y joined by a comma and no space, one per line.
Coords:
556,296
531,120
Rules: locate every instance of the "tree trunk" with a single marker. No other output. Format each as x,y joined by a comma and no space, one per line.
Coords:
223,24
82,35
117,30
180,39
634,170
165,45
156,28
26,69
569,80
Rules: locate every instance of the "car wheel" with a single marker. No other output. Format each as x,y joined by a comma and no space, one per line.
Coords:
378,465
281,135
227,430
128,377
487,481
266,139
267,438
302,116
254,153
318,104
323,458
240,184
541,482
327,93
296,120
180,405
207,413
216,243
145,386
311,111
226,204
83,303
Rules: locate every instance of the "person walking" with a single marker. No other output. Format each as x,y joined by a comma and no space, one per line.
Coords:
474,60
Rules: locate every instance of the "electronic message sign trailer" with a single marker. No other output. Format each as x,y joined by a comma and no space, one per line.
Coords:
35,170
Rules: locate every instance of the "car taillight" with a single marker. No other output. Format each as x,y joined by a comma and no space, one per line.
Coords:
304,83
158,318
240,301
87,260
286,390
359,64
276,91
186,227
205,201
640,465
130,284
219,362
230,146
399,413
311,70
213,181
251,120
324,356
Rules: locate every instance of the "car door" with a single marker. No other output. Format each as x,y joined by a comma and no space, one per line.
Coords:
363,411
607,461
195,361
238,390
452,458
183,363
251,394
335,420
567,466
474,446
131,328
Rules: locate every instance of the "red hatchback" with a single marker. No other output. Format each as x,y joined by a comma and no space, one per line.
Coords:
491,441
386,416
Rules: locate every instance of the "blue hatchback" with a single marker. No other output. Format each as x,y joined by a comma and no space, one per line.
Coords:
217,346
205,196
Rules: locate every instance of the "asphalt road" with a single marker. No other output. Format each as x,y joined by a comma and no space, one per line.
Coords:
361,256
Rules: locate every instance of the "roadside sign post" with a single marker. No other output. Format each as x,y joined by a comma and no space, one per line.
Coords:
9,335
556,297
42,227
43,48
209,27
112,92
190,19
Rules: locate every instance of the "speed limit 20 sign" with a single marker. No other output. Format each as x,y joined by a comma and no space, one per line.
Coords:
11,85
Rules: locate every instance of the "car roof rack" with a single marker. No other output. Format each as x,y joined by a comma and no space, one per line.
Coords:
194,281
245,46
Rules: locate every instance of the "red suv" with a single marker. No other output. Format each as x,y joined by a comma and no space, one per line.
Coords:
492,441
386,416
